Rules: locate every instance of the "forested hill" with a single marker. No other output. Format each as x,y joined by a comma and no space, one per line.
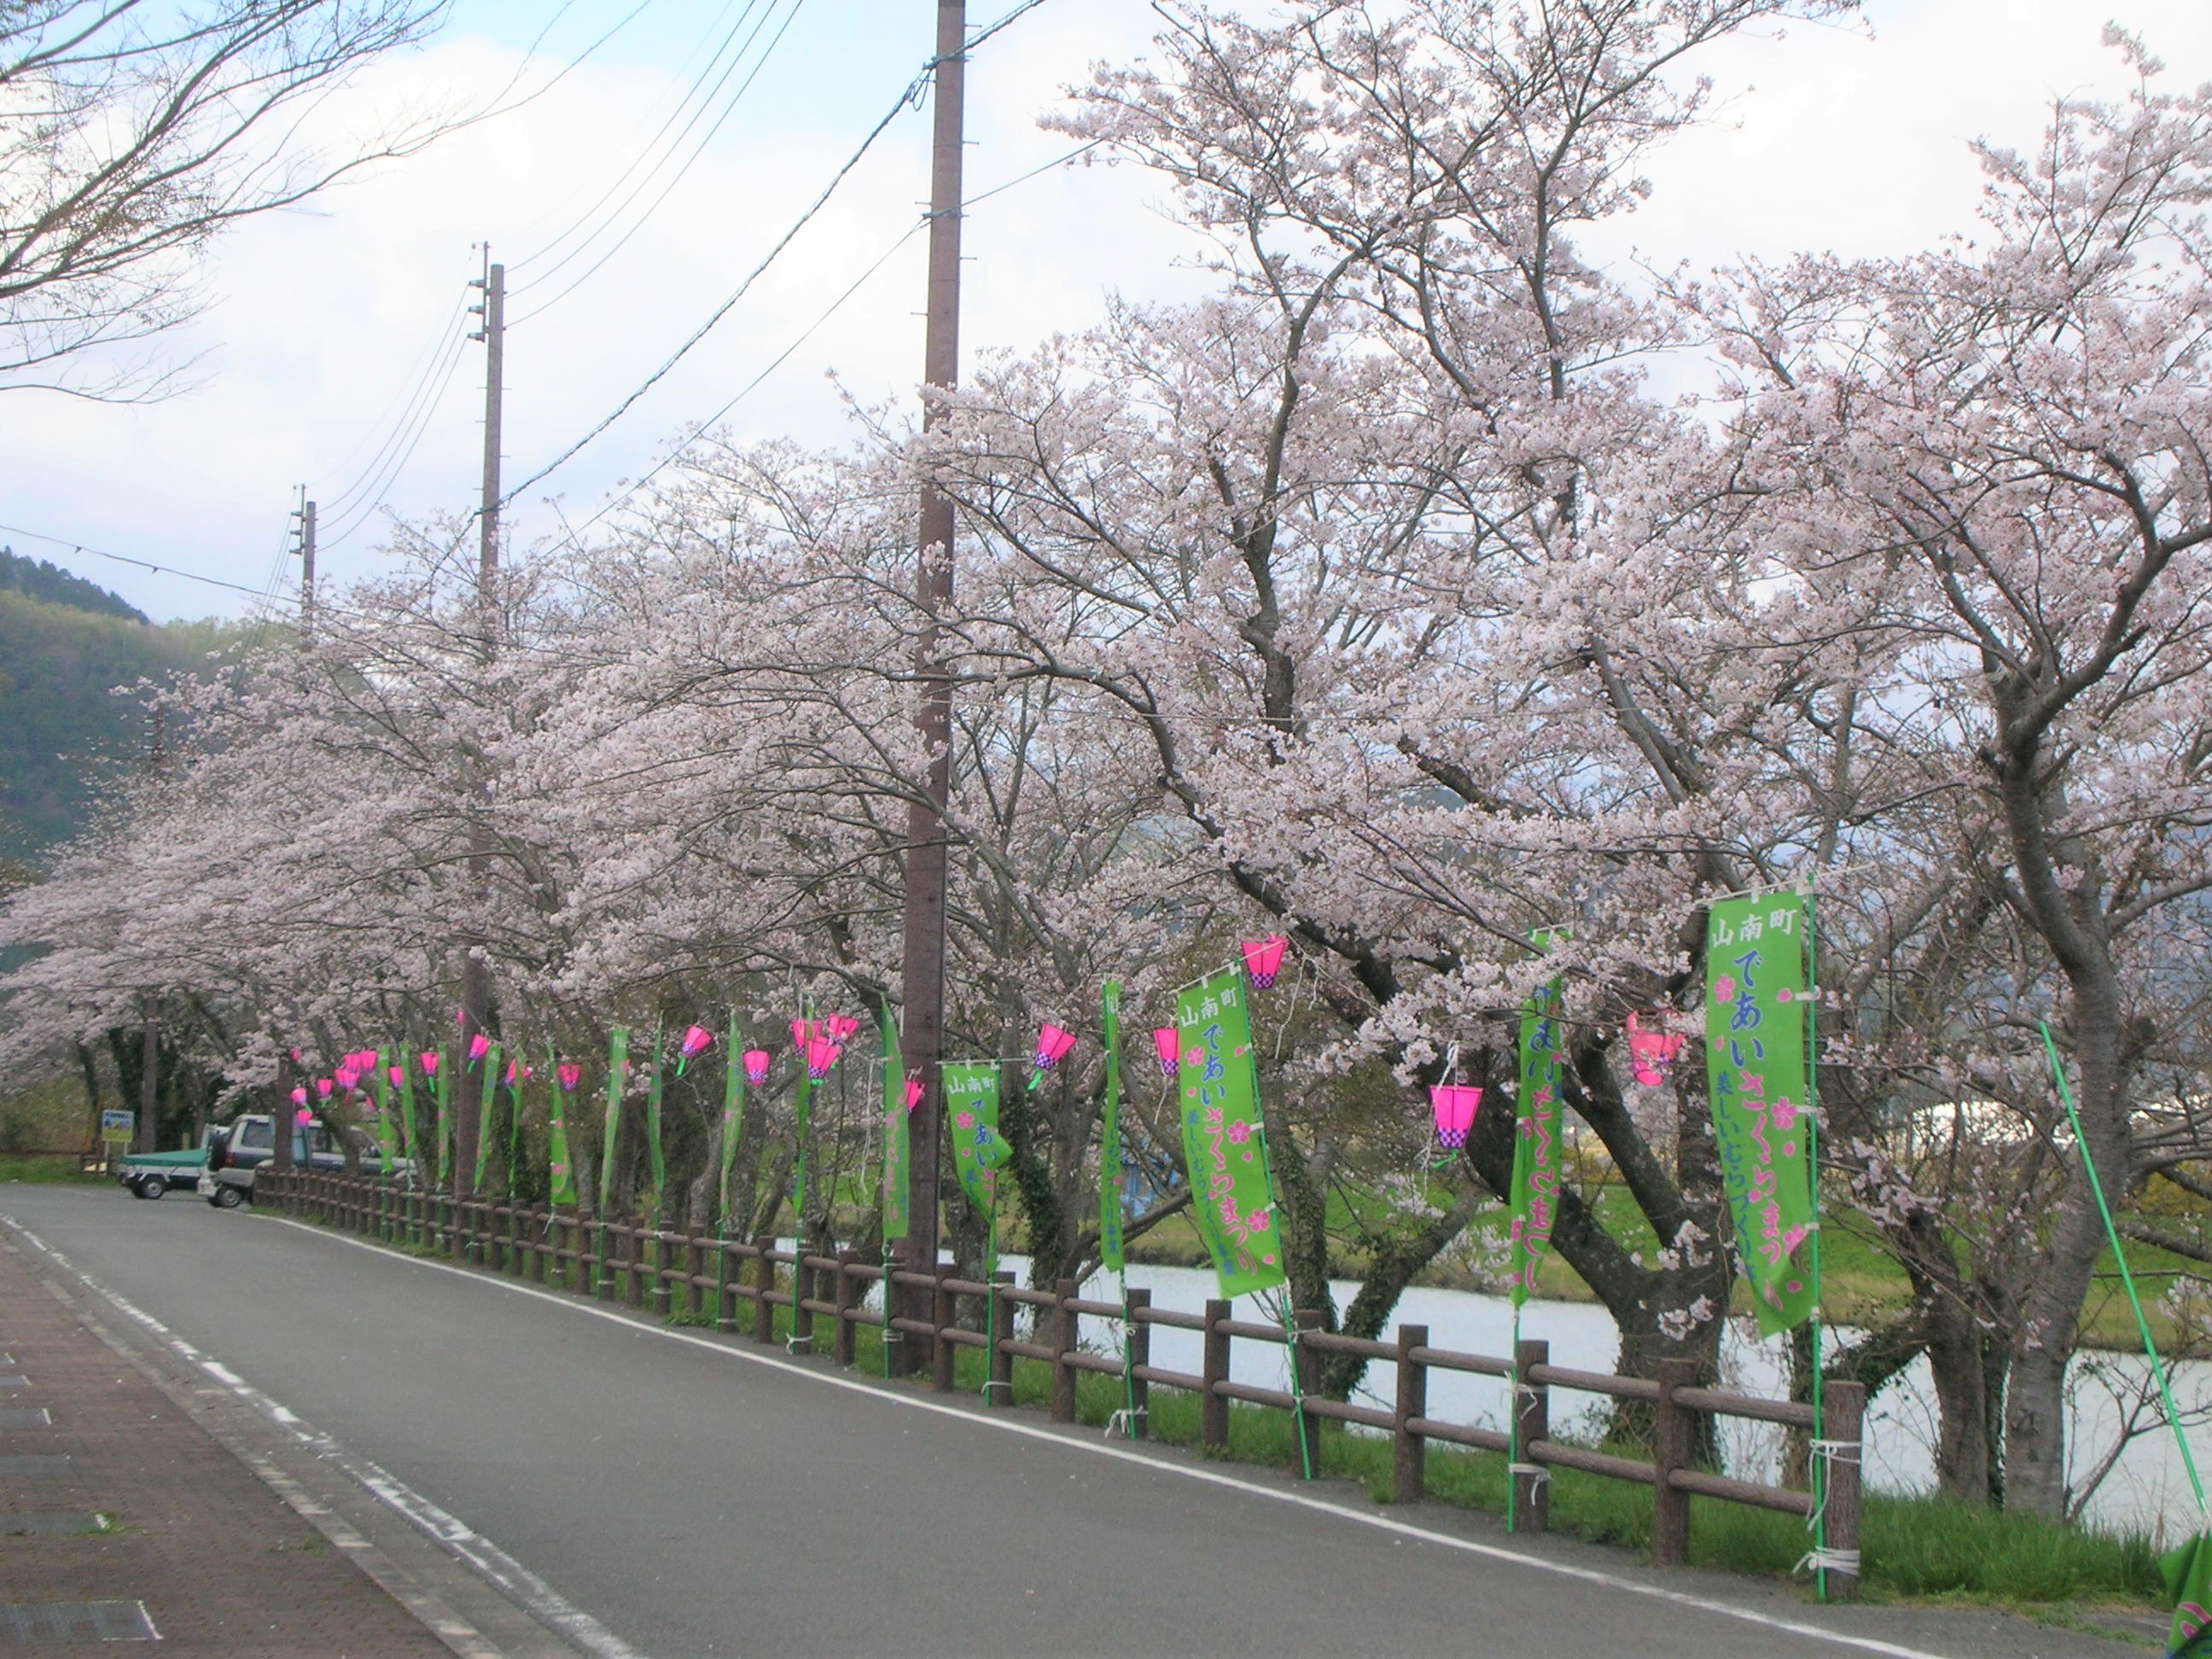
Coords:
65,645
43,579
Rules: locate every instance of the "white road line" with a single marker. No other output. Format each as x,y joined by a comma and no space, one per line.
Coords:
1210,1477
515,1581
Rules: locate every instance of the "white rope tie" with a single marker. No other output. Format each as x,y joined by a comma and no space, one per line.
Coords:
994,1383
1121,1421
1535,1472
1818,1560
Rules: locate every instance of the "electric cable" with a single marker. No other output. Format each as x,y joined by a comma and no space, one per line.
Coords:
682,171
645,151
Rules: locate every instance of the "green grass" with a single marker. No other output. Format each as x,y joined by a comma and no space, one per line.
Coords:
45,1170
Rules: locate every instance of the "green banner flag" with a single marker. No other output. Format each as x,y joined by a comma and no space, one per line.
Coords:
658,1158
898,1148
561,1173
487,1104
1755,1065
1111,1179
733,1114
1225,1141
384,1146
2188,1575
971,1105
1536,1136
617,1080
407,1115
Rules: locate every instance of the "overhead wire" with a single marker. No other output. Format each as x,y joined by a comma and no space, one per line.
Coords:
910,98
573,535
905,100
676,179
373,498
645,151
418,403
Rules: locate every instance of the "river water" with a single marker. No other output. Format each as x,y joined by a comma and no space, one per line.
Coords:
2147,1489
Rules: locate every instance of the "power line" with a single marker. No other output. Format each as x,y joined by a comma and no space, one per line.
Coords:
645,149
835,306
678,178
124,558
905,100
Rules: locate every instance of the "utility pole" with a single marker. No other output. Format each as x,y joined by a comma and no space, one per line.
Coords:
306,515
922,1039
476,970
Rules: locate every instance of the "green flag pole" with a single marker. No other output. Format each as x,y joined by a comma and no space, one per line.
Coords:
617,1059
1819,1447
734,1115
2127,1278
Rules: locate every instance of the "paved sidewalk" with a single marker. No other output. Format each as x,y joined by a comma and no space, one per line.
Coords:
218,1562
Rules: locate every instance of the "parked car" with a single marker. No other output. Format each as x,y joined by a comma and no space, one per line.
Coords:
151,1174
235,1153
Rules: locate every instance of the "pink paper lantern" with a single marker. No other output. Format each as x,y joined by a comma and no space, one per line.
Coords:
1455,1105
1168,1042
569,1074
913,1093
803,1032
840,1028
756,1066
428,1061
1650,1052
348,1078
303,1117
323,1087
1263,959
479,1046
1052,1046
821,1055
696,1041
509,1079
299,1097
398,1074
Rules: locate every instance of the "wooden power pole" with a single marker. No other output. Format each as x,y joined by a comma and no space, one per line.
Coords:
476,971
923,987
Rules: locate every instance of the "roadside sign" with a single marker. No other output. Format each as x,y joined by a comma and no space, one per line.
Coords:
118,1126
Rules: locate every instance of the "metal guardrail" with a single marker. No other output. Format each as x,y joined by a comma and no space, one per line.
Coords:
669,1272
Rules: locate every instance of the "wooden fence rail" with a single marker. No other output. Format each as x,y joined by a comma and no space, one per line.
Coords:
671,1272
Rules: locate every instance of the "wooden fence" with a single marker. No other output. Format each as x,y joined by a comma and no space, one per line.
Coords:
669,1272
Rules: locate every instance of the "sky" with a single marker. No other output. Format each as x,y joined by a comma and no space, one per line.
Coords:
331,353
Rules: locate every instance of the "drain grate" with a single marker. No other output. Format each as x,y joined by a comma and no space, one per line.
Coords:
55,1522
65,1621
38,1416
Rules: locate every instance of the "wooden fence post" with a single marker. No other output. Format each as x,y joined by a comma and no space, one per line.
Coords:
941,1315
1139,1338
1307,1362
1843,1410
843,1340
764,1282
1409,1474
1532,1407
1064,1326
999,1390
726,1299
1213,1407
658,1296
1672,1438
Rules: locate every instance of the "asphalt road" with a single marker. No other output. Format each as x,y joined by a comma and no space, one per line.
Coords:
695,1497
